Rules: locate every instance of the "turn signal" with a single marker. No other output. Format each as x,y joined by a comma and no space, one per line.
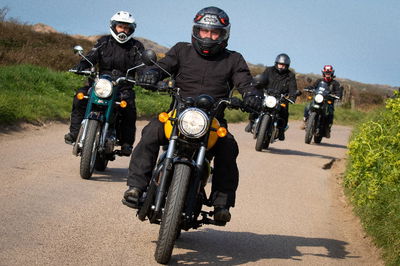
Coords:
309,97
163,117
283,105
80,96
330,102
222,132
123,104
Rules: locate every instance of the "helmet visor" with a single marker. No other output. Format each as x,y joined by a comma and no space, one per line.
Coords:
214,34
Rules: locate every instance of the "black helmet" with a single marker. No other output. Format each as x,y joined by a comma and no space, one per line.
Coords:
210,18
282,59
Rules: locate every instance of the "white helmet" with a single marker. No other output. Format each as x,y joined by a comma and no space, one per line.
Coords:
125,18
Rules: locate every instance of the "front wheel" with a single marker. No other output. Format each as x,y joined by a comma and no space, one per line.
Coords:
171,219
89,150
310,127
263,138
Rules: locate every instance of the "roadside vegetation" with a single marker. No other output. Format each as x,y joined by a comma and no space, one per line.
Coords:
373,178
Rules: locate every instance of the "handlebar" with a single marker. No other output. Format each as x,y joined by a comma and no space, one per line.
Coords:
82,72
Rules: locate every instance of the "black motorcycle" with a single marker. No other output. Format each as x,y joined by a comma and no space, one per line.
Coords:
176,193
320,108
266,126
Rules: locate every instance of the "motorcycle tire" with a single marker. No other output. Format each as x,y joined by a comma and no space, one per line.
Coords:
317,139
263,138
171,219
89,150
310,128
101,163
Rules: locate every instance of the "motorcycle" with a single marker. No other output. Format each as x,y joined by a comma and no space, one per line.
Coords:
321,107
97,136
176,193
266,126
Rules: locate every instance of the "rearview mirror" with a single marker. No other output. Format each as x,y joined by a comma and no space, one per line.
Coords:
78,49
149,57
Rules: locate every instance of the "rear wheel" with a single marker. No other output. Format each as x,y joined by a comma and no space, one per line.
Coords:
171,219
310,128
89,150
317,139
263,138
101,163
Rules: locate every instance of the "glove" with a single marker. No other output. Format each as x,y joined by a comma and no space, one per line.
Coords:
253,101
150,77
80,67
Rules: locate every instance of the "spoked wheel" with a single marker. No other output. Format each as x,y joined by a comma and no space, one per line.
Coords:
89,150
171,219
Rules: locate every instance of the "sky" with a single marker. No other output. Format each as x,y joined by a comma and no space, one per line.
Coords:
360,38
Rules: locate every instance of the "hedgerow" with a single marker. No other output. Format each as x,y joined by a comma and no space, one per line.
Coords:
373,178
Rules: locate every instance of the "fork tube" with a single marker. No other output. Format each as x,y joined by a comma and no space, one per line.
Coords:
167,169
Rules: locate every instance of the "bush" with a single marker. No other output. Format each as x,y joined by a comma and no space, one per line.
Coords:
373,178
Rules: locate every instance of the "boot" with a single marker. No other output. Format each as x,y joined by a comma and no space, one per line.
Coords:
131,197
69,138
126,149
222,214
249,127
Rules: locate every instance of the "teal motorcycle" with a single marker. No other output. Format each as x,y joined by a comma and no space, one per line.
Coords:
97,139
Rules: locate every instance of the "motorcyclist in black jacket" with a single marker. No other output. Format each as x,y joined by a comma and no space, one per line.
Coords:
328,75
280,80
114,54
203,66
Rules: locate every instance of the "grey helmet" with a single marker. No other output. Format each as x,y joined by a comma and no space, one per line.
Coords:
282,59
125,18
210,18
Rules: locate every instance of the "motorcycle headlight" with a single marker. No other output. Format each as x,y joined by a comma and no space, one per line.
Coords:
103,88
193,123
319,98
270,101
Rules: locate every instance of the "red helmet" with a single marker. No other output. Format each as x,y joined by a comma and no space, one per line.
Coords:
328,73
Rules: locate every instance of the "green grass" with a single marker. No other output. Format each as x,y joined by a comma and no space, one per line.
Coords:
34,94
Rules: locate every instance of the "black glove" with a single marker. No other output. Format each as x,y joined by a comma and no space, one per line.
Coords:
253,101
150,77
80,67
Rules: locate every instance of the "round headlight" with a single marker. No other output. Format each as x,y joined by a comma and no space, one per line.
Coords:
319,98
193,123
270,101
103,88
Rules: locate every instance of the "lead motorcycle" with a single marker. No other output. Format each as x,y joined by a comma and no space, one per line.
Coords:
98,135
176,193
266,126
321,107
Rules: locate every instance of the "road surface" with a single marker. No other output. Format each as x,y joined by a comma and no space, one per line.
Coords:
290,210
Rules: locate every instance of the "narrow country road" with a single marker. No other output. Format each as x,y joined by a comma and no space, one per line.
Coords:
290,210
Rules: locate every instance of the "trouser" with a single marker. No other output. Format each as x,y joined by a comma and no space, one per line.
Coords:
127,126
225,178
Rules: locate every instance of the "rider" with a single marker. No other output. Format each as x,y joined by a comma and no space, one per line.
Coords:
280,80
115,54
335,89
203,66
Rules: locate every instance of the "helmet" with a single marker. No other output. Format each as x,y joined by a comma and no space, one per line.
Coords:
210,18
328,73
282,59
124,18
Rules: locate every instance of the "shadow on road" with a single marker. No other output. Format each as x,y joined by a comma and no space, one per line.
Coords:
332,145
299,153
235,248
111,175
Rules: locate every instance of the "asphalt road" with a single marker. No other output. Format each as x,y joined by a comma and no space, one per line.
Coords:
289,209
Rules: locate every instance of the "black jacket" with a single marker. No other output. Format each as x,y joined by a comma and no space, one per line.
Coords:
111,55
281,83
334,87
215,76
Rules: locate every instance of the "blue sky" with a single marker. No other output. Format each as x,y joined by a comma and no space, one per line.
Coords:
360,38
